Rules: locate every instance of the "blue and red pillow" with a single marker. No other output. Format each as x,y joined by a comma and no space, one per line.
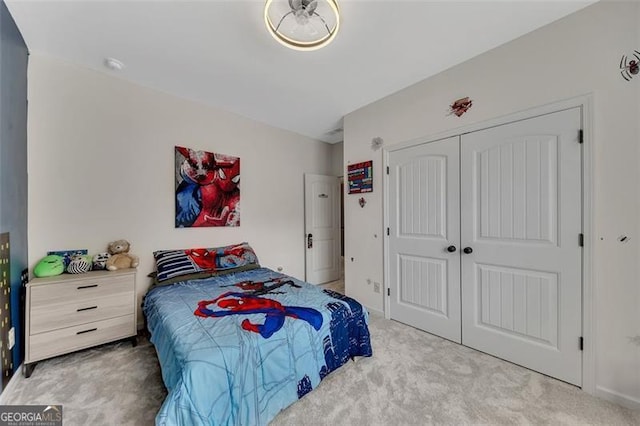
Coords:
176,263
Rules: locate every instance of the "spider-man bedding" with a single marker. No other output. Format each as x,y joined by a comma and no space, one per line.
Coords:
236,349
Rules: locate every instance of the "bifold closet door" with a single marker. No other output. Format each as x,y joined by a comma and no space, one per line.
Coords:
521,261
424,219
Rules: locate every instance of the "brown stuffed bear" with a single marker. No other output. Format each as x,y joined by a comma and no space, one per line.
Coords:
120,256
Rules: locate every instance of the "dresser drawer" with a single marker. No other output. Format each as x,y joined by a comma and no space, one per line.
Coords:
75,312
52,343
78,290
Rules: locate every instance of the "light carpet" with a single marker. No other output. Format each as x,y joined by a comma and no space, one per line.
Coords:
414,378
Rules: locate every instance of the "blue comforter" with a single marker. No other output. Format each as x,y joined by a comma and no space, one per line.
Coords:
237,349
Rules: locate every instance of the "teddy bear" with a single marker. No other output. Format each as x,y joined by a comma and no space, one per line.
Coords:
120,256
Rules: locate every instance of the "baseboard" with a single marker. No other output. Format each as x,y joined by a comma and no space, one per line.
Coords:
12,381
618,398
374,311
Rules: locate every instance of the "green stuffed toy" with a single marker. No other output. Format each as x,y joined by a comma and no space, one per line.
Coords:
49,266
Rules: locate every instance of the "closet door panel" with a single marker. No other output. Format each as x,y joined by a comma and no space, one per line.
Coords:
424,222
521,221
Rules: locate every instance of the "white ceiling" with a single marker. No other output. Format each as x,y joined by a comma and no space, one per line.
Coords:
219,52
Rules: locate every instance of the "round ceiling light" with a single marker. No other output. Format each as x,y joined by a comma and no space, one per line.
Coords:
302,24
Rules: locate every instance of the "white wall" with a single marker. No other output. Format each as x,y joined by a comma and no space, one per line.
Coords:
337,159
575,56
101,167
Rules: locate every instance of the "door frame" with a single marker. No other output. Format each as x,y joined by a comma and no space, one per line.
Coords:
586,103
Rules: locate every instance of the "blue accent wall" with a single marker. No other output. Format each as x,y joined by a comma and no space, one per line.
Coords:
13,162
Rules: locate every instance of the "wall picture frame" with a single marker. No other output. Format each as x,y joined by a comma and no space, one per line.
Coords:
207,189
360,177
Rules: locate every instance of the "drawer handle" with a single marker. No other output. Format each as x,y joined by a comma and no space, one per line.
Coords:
86,309
86,331
87,286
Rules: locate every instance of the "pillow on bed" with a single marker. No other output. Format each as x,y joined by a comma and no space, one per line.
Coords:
177,263
200,275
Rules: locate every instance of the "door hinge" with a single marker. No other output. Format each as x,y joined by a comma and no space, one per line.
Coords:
581,343
388,292
581,240
388,232
387,169
581,136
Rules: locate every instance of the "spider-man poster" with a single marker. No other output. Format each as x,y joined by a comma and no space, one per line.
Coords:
207,189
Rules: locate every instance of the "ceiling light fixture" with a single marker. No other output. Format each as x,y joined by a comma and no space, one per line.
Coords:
302,24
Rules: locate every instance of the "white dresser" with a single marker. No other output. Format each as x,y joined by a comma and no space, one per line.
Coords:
70,312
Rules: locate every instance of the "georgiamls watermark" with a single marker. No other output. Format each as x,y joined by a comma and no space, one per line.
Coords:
30,415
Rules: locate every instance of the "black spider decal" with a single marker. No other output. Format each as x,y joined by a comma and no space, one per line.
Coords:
629,68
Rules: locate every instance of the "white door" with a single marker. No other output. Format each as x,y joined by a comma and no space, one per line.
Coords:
521,260
424,219
322,228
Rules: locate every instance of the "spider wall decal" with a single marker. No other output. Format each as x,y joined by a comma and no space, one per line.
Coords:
630,67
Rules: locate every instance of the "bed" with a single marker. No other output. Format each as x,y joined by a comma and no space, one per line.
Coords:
236,348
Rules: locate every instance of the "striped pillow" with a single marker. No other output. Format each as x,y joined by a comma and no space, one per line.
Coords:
174,263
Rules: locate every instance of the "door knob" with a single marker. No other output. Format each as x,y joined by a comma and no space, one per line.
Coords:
467,250
310,241
451,249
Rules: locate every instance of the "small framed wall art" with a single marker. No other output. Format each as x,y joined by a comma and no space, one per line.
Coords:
360,177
